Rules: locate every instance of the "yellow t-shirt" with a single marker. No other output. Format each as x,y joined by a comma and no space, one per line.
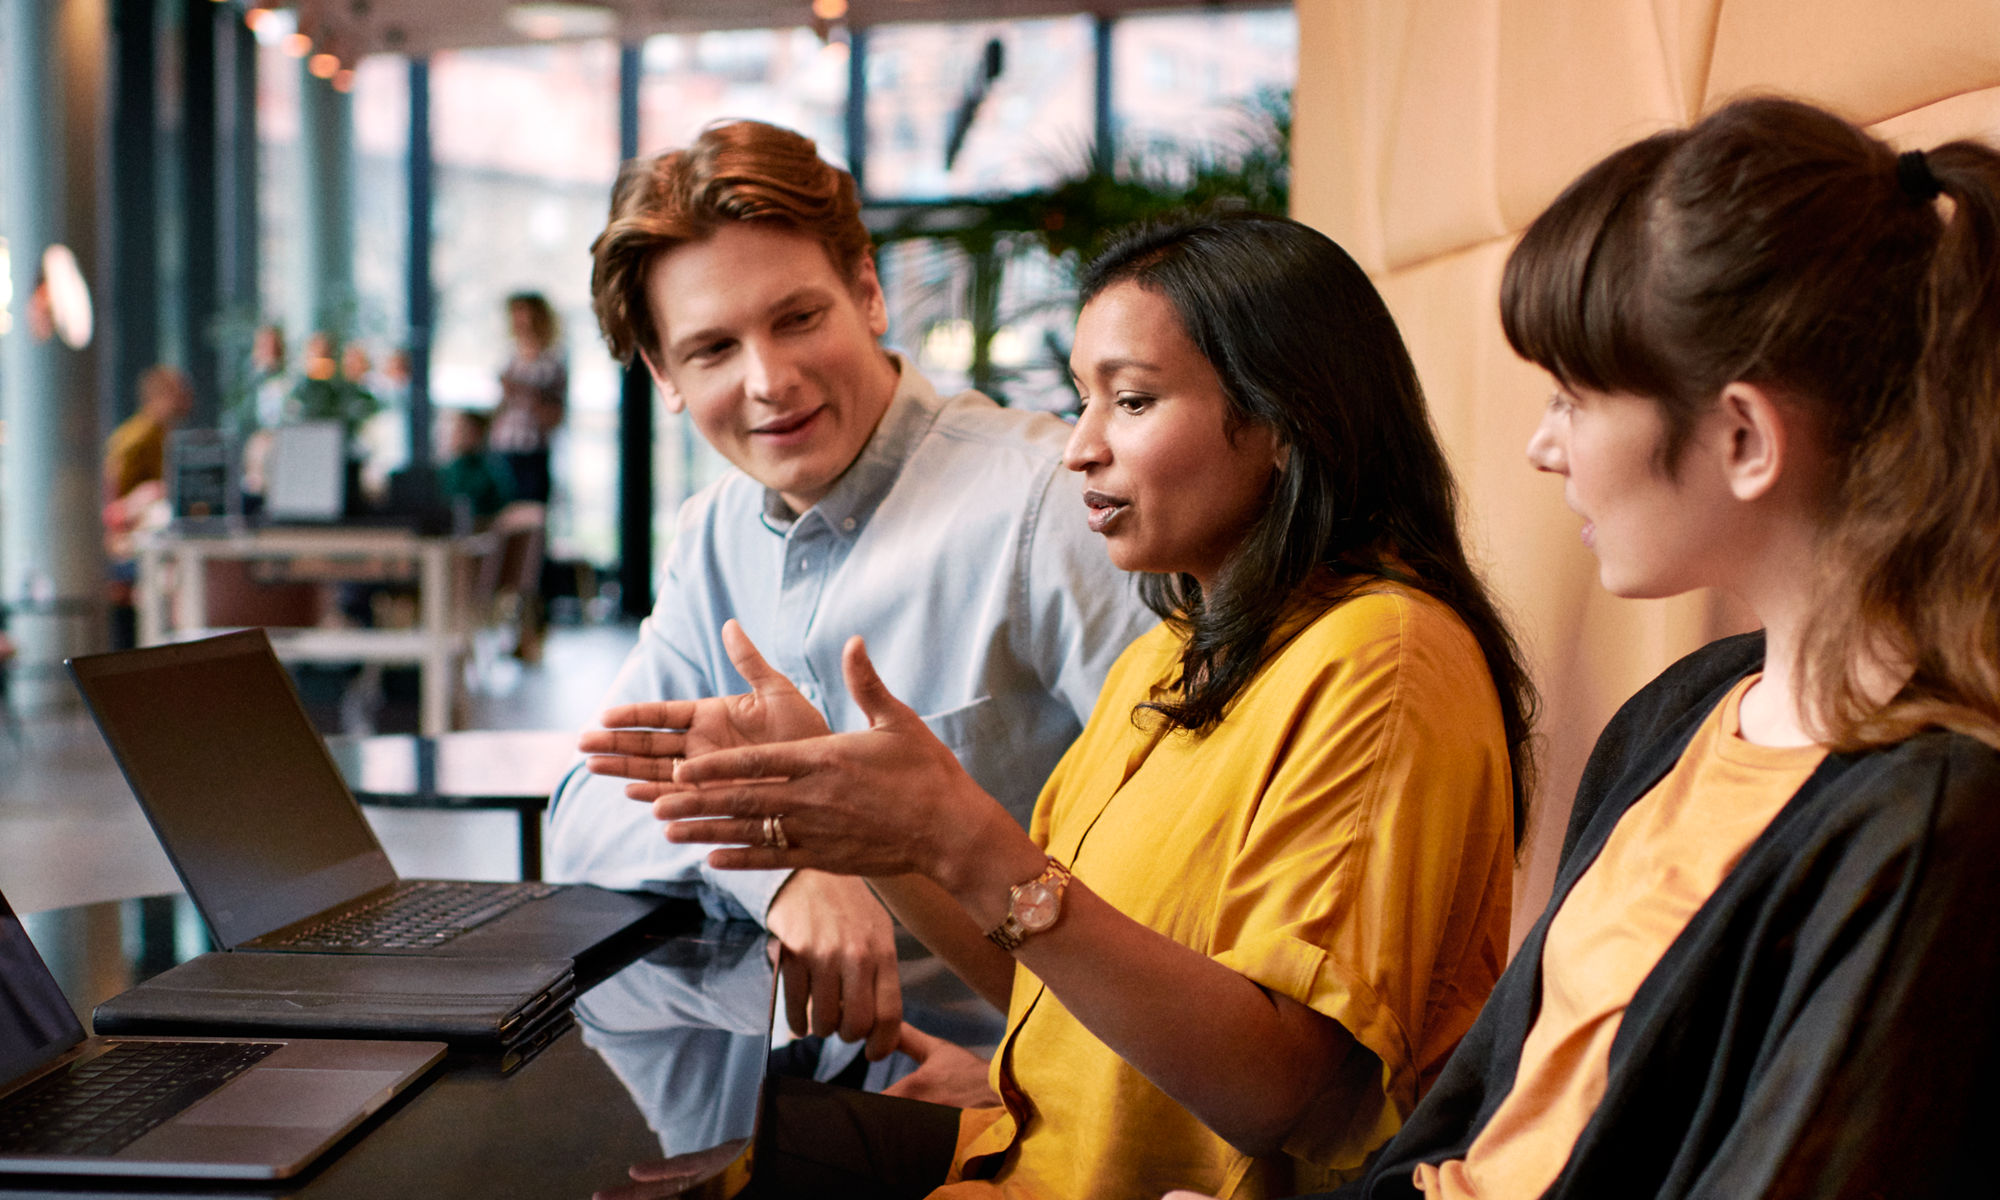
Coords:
1669,853
135,453
1343,838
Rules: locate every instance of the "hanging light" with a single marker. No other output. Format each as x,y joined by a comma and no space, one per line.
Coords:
269,24
548,22
298,44
829,10
343,79
323,65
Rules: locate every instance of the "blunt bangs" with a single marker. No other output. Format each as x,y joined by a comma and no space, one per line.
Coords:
1573,296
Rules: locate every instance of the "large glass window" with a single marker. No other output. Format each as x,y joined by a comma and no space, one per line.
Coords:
381,100
280,207
978,109
987,306
1198,84
525,141
788,77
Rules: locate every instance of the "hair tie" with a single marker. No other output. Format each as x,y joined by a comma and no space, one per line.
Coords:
1913,175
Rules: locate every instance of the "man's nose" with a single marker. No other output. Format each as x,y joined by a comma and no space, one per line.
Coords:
768,372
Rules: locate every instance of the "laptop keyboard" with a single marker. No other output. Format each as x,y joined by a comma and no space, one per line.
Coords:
103,1104
417,914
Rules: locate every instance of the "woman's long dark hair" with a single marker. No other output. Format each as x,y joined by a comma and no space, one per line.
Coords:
1775,243
1304,346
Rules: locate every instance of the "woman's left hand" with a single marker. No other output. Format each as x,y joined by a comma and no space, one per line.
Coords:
947,1073
891,800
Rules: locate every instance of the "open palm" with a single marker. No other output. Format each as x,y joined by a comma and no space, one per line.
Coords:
644,741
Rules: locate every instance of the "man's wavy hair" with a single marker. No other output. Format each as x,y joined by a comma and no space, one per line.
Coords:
735,171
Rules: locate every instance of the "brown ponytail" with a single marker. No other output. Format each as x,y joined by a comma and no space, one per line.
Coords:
1921,529
1777,244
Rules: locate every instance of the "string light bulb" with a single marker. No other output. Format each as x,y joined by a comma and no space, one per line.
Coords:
343,79
323,65
298,45
829,10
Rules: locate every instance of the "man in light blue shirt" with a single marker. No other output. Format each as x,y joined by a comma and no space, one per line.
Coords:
944,531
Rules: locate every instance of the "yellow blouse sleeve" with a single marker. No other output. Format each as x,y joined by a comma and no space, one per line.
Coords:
1373,876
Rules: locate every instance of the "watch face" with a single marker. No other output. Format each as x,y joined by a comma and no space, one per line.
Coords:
1036,906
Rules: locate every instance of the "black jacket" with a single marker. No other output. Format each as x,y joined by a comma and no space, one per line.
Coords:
1828,1024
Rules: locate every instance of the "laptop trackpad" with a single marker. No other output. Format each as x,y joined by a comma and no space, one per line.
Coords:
289,1096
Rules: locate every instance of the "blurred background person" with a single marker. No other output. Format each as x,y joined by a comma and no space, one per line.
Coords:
471,470
534,392
135,469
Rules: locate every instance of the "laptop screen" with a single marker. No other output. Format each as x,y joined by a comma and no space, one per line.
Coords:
305,477
235,780
36,1023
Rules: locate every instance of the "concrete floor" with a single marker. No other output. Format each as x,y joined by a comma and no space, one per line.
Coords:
70,832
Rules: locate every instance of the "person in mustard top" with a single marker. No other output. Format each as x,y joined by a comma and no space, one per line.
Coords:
1266,890
1771,964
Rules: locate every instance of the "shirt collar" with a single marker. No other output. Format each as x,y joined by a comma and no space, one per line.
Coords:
854,496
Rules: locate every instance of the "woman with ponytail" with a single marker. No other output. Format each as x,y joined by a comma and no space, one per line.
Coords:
1771,963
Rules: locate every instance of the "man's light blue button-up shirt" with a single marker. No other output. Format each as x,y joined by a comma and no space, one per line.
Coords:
956,545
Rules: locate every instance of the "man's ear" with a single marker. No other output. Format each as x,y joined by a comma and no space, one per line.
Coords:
669,394
868,292
1759,441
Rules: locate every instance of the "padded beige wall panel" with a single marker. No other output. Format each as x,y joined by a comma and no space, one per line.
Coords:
1571,79
1866,59
1973,114
1579,80
1438,194
1338,125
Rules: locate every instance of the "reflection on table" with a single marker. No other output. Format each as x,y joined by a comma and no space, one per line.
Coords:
469,769
662,1082
687,1030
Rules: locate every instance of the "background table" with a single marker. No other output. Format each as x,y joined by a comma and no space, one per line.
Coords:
172,600
469,769
564,1124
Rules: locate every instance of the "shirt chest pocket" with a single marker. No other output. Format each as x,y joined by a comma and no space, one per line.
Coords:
977,735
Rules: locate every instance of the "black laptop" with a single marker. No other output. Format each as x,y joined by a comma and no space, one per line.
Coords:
270,843
217,1108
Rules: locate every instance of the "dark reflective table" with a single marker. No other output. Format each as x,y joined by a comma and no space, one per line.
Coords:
469,769
655,1092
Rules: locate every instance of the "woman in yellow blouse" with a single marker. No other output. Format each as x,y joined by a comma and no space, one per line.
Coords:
1267,888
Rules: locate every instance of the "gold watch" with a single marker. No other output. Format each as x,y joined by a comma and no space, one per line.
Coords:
1032,907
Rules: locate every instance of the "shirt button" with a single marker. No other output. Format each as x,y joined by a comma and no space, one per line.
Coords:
805,564
848,524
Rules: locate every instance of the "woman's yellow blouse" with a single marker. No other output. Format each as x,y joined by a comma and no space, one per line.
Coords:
1344,837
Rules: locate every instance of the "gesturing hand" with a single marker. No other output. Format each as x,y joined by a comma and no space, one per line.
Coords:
889,800
643,741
